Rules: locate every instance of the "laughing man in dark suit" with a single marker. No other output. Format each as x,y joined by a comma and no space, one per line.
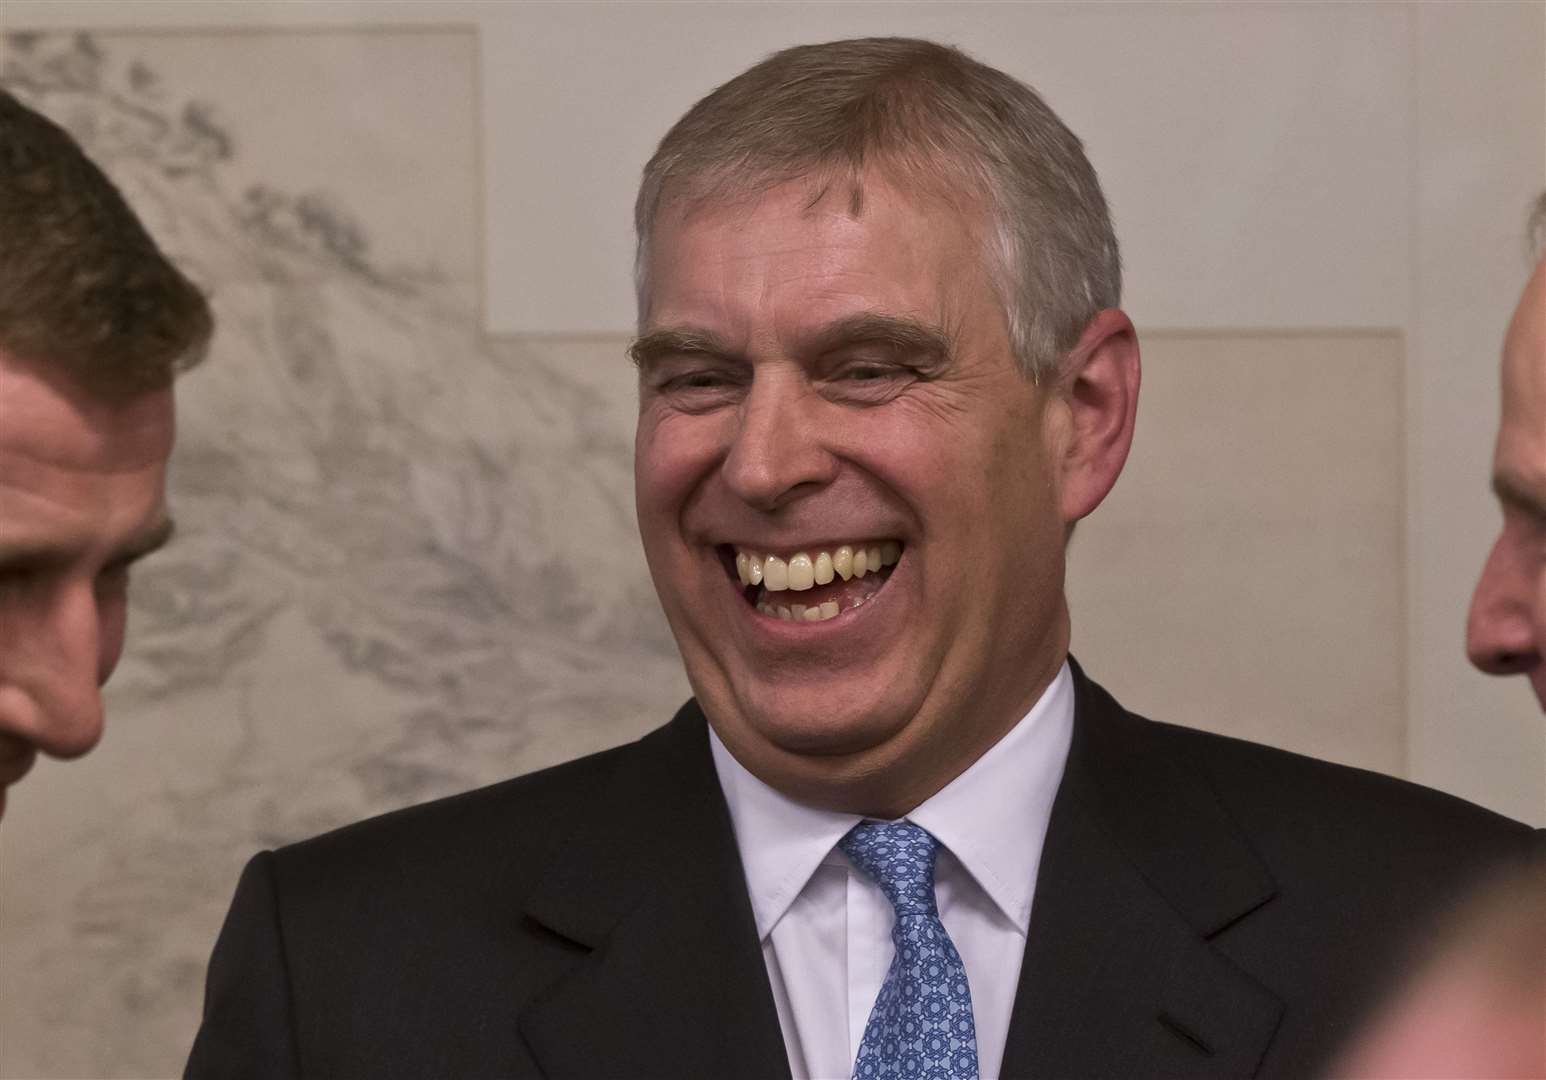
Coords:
898,832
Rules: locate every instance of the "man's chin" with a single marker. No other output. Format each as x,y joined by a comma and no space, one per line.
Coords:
811,755
826,737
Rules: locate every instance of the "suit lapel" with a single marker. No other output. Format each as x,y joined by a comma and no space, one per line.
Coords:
669,979
1141,868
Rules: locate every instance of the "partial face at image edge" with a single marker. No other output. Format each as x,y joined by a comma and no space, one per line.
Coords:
82,497
1506,631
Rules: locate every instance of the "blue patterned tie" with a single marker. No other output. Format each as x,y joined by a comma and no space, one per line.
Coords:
921,1027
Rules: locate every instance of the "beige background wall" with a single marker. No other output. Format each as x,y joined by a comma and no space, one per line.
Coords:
406,561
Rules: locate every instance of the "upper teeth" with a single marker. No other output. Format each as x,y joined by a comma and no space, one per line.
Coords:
804,569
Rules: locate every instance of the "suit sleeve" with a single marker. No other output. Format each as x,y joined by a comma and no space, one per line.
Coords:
247,1028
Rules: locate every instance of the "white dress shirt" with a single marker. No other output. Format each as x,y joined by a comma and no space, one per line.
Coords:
826,928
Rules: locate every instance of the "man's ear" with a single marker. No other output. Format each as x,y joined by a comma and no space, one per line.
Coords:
1097,384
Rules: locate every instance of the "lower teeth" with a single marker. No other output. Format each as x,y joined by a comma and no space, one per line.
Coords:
829,609
801,613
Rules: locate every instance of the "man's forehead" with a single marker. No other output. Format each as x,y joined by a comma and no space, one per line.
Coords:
80,474
1524,364
48,419
52,515
813,262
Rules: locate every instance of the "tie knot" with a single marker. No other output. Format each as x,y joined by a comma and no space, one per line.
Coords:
899,857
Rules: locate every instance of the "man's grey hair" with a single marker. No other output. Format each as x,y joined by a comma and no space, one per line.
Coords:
928,118
1535,230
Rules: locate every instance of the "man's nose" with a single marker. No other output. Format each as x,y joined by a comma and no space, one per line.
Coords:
1500,635
780,448
49,667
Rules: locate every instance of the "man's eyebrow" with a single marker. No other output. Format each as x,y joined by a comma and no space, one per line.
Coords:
154,538
900,334
685,340
46,556
903,335
1513,491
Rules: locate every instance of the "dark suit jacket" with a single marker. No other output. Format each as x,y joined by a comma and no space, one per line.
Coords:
1205,908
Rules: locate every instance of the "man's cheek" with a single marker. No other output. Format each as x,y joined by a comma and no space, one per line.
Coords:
672,496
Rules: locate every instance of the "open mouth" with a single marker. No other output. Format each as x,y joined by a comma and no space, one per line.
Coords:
813,585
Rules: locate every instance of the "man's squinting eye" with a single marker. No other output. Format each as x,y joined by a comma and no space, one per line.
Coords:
114,577
868,372
697,380
13,579
695,387
868,381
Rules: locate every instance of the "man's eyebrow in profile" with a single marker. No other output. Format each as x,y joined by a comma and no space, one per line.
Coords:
26,557
1513,491
147,540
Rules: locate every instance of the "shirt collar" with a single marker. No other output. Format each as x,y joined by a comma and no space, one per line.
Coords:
781,841
993,817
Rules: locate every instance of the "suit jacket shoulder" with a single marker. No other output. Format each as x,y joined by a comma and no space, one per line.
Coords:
1361,821
1212,907
493,836
588,920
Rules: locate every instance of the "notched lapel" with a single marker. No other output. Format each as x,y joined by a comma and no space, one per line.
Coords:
1140,869
1116,983
1220,1010
673,984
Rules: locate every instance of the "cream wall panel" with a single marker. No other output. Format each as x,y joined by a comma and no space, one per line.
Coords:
1233,141
1246,575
